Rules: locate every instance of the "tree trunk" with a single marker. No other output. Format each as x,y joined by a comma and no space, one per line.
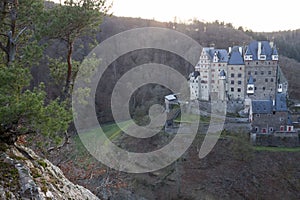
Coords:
69,73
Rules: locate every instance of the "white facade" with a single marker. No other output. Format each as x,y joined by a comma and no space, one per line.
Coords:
195,84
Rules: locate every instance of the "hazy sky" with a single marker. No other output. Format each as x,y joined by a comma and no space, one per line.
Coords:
258,15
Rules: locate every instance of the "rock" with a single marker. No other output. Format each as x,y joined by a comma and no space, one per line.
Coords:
38,178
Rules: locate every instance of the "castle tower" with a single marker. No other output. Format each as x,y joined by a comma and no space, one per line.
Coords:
222,86
250,86
195,85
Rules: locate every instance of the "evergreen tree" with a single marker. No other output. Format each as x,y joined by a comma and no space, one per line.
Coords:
24,110
68,22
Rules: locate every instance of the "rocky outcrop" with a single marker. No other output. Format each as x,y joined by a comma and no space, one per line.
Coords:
24,175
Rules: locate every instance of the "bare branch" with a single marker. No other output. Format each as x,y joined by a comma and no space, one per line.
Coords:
20,33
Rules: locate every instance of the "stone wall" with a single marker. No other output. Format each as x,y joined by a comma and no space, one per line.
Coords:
282,140
264,76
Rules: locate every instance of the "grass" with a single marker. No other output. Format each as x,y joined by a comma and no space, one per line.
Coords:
112,131
277,149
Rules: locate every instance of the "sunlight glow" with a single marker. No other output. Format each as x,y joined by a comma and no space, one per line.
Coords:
258,15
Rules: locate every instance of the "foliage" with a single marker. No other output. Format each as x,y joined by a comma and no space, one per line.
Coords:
24,110
18,20
68,22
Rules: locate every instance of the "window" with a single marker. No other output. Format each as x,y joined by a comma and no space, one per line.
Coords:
256,129
255,72
281,128
232,75
255,88
256,63
257,115
239,75
240,82
264,130
272,80
232,82
232,89
270,72
254,80
264,88
239,90
271,129
249,73
266,80
262,72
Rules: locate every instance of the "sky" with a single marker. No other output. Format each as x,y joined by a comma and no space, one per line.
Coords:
257,15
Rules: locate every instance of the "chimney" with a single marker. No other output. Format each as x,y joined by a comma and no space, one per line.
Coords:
272,44
229,50
259,50
241,50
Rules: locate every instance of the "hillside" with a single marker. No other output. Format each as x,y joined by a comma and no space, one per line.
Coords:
219,34
232,171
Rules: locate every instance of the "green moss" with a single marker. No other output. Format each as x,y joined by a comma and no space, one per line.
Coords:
8,195
42,163
9,176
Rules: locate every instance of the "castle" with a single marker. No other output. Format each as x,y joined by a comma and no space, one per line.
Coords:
237,74
246,74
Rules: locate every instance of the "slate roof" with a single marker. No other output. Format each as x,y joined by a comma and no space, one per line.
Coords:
235,57
196,74
262,106
266,49
222,73
281,77
289,121
221,53
250,81
281,104
266,106
275,52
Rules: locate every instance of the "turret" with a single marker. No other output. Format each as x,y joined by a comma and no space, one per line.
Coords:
250,86
275,54
248,54
216,59
262,55
222,86
222,75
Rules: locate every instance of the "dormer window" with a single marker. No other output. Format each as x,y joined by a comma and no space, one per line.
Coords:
262,57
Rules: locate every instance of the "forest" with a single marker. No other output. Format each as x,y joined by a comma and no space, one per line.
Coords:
42,45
